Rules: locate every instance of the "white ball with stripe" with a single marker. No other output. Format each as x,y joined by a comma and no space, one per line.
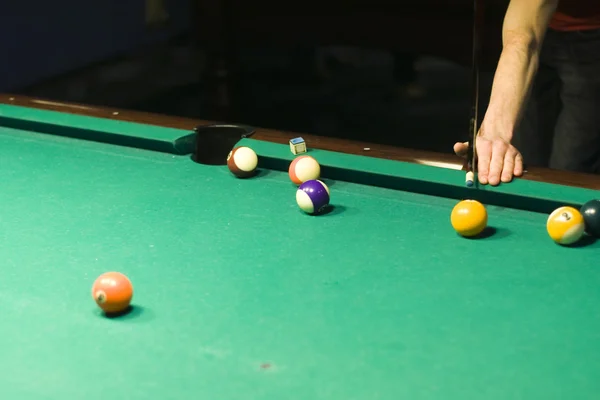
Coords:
242,161
304,168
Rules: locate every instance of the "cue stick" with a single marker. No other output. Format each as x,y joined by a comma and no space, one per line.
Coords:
478,17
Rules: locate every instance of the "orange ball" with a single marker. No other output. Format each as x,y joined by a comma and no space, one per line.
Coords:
565,225
469,218
112,291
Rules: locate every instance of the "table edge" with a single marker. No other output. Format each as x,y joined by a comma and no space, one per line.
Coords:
441,160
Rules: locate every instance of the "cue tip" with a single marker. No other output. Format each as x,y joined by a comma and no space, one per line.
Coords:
470,179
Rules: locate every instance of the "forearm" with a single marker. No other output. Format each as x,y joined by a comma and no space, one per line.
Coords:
523,32
512,83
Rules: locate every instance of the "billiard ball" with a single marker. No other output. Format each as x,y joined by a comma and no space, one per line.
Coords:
591,217
469,218
112,292
242,161
312,196
565,225
304,168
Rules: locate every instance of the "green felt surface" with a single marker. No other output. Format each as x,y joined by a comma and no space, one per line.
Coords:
378,299
90,128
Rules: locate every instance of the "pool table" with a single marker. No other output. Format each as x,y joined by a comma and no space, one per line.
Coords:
238,294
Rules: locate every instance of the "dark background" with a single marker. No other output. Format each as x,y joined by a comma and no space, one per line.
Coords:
145,55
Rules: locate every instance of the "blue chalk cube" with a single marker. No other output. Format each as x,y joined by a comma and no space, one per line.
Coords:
298,145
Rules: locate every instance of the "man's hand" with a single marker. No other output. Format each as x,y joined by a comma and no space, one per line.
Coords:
498,160
525,25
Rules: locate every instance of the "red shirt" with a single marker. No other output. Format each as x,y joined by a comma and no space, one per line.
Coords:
576,15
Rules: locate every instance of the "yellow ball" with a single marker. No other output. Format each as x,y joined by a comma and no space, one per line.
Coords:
469,218
565,225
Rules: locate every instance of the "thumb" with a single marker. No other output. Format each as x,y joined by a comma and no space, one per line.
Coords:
461,148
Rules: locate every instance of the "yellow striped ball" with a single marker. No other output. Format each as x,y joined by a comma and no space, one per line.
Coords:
565,225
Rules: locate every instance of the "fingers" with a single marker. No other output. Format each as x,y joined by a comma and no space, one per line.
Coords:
498,161
484,157
509,165
513,165
518,170
499,150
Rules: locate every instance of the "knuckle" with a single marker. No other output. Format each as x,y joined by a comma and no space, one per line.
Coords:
500,145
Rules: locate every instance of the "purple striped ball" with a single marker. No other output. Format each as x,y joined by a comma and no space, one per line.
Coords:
312,196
